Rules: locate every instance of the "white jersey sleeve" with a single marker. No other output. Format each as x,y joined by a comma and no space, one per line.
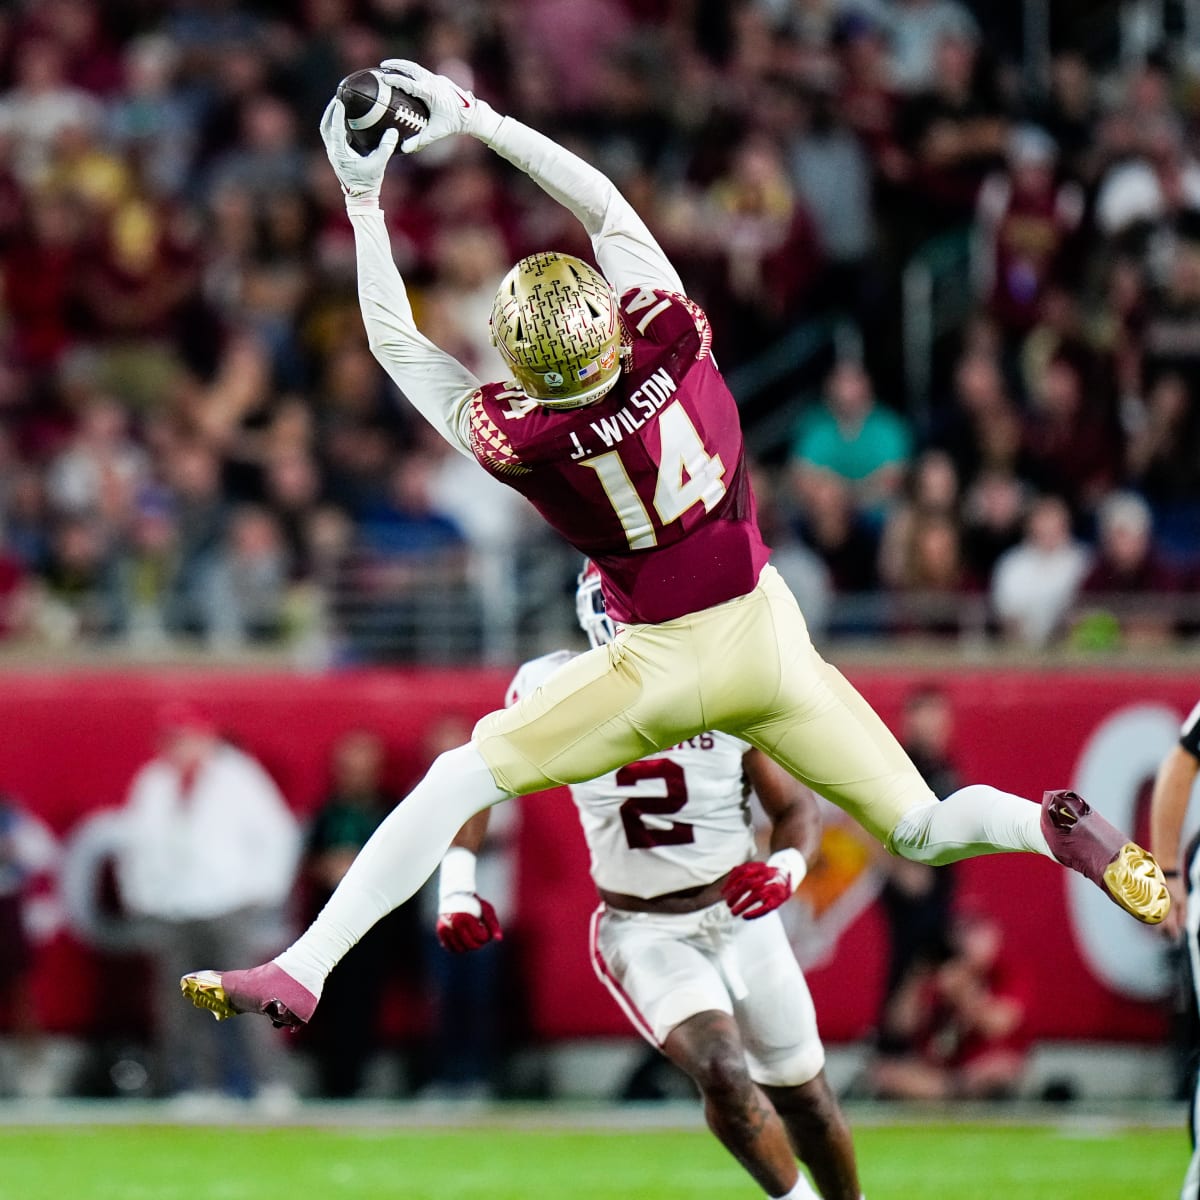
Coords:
625,249
435,383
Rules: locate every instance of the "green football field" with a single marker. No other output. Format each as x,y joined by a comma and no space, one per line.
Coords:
910,1162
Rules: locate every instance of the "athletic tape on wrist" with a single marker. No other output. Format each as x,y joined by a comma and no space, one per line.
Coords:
457,873
792,863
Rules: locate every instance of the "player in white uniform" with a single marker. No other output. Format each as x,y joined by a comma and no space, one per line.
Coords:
686,938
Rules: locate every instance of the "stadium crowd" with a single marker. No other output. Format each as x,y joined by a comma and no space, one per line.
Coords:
195,443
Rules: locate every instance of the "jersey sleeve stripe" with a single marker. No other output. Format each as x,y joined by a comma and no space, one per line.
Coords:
1189,733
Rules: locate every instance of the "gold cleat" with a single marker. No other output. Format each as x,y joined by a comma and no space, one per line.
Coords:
1135,881
204,990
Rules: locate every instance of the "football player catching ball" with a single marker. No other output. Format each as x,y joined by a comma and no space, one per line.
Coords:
616,423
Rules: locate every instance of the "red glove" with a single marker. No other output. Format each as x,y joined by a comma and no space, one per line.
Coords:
460,930
755,889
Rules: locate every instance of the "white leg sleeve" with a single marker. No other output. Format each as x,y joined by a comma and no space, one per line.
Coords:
974,820
400,855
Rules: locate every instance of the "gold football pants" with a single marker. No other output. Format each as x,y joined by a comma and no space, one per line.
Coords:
747,667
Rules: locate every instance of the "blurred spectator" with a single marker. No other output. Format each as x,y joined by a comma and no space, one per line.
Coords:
993,517
982,427
246,589
150,120
953,132
193,474
77,26
415,573
276,282
474,1009
41,104
767,252
207,863
915,29
1161,182
173,244
410,525
832,174
26,519
139,273
1035,583
292,491
1025,220
148,573
101,470
1127,573
964,1025
1162,455
470,262
348,1030
1071,442
1068,111
15,597
266,159
867,99
934,578
40,282
840,535
932,490
855,438
78,597
921,555
568,44
1171,334
28,855
807,576
86,172
916,899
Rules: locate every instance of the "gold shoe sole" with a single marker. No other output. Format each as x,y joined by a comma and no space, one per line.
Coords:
1135,881
204,990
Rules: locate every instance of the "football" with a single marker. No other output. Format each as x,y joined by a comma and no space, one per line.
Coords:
373,106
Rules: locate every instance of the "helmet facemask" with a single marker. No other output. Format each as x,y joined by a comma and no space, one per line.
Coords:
555,322
589,607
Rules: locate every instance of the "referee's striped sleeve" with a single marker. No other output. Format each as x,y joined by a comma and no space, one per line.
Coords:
1189,734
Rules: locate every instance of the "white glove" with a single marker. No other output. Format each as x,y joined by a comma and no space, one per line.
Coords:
451,109
361,175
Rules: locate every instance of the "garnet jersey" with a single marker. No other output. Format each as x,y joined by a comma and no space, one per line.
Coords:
650,482
677,819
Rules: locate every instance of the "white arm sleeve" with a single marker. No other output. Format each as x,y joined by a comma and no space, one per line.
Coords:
435,383
625,249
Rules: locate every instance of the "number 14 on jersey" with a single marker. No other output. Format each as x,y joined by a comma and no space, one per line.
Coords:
687,475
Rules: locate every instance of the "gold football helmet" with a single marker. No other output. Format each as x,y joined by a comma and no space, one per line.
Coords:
555,322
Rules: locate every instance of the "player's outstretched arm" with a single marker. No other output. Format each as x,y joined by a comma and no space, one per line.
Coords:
1168,806
790,806
437,385
625,249
754,889
466,921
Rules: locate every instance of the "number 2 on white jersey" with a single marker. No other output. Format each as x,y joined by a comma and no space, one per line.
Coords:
687,475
